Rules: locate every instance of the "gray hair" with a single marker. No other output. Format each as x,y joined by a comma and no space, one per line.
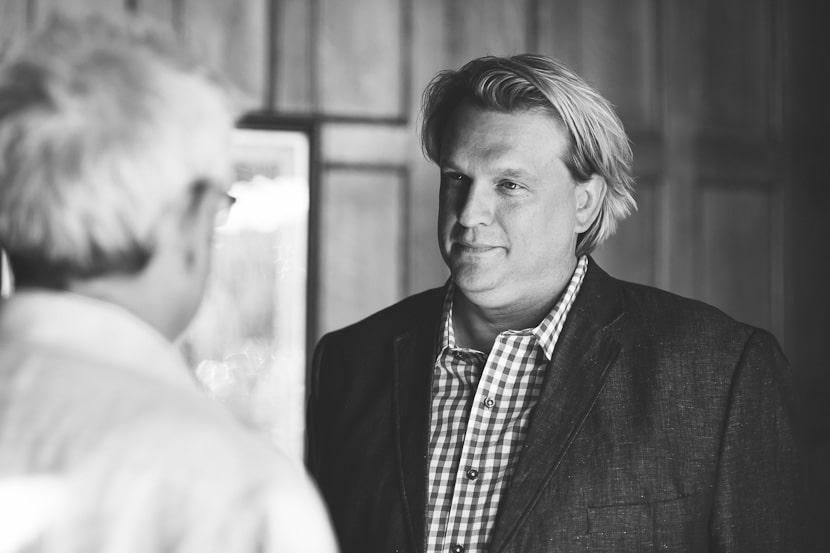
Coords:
103,125
598,143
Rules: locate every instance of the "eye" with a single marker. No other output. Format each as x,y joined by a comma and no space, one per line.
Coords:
450,177
509,185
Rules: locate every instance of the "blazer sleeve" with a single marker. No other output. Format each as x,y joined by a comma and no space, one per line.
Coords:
313,405
756,489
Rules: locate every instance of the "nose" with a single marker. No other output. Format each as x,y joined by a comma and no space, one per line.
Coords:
476,205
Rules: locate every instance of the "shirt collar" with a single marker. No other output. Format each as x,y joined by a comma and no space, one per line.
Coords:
546,332
91,329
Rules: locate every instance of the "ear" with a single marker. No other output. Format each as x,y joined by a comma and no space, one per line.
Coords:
196,226
589,197
186,228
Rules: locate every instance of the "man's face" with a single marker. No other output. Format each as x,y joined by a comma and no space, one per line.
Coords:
506,222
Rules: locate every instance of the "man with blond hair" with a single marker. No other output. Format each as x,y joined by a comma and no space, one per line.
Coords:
113,166
534,403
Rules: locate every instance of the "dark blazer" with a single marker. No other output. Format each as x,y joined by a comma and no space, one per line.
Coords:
663,425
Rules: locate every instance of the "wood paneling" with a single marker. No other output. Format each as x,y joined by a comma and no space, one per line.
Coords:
365,143
739,161
630,254
231,36
738,52
365,34
481,27
362,250
292,69
616,52
613,45
680,69
736,266
557,26
430,32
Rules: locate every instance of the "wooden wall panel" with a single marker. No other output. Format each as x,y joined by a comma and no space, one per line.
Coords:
365,143
680,26
430,35
630,254
362,251
738,53
613,45
736,266
231,36
481,27
292,59
619,55
558,25
364,34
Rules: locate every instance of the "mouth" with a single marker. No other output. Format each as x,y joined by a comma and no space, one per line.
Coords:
468,247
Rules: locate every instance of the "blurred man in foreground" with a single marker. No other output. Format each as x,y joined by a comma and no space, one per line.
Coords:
535,403
113,167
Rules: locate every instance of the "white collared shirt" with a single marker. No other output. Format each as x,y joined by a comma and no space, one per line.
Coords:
107,444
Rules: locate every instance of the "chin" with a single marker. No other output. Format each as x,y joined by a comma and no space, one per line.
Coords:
476,286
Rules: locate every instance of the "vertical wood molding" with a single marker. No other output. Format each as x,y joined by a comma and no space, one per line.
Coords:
293,66
362,248
680,71
365,34
430,54
739,75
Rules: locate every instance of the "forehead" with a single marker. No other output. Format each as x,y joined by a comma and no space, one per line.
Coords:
529,135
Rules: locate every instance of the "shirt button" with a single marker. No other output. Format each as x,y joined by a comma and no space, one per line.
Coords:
489,402
457,548
472,474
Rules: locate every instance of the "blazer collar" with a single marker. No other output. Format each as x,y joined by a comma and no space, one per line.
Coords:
414,352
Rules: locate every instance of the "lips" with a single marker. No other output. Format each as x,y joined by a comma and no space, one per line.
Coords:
474,247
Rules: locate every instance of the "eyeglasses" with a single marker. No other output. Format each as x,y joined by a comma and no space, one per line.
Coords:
223,212
226,201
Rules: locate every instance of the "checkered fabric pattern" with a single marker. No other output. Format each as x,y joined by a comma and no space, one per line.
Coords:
480,410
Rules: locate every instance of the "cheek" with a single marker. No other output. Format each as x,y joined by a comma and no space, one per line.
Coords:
540,230
446,215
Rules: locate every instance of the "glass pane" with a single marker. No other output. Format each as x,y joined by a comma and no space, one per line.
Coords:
247,343
6,283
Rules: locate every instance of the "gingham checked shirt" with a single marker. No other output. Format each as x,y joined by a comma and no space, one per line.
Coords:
480,410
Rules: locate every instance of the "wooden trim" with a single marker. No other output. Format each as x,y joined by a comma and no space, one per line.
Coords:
266,120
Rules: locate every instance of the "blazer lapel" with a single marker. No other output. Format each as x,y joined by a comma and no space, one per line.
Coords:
414,354
575,376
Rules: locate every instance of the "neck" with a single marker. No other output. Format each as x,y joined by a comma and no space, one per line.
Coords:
478,327
477,324
135,294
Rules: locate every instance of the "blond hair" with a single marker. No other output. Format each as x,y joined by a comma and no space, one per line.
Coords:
102,125
598,143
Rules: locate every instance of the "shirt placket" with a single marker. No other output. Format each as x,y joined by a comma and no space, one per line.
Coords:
477,466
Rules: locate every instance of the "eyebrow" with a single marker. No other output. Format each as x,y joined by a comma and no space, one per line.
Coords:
512,173
446,165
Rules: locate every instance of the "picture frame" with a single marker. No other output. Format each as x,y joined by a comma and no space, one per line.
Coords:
250,342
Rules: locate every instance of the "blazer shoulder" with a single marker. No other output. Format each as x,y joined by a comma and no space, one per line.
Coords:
671,318
416,310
